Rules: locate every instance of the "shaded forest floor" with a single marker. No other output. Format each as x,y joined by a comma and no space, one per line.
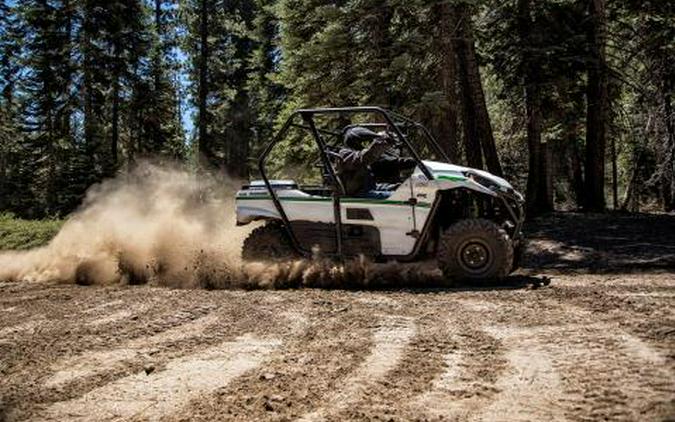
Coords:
585,331
601,243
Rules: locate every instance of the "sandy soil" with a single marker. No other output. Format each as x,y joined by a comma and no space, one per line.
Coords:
585,332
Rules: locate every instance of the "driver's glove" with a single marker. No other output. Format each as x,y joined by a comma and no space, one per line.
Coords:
408,163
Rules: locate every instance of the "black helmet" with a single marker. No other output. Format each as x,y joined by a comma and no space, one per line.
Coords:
356,136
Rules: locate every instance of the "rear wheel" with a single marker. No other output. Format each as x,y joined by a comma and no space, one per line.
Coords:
474,250
268,243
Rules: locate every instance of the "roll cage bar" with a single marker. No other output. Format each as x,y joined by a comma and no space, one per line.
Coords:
391,120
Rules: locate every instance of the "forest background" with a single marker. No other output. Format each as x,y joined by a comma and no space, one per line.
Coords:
569,99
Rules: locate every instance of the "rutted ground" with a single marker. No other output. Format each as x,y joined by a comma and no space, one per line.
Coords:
584,347
573,350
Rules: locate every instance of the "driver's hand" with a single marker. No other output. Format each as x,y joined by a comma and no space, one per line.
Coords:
408,162
381,141
385,136
390,136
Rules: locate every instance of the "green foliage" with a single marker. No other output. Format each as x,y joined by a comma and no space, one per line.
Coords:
221,41
89,86
20,234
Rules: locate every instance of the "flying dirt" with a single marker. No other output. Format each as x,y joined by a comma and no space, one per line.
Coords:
155,224
166,226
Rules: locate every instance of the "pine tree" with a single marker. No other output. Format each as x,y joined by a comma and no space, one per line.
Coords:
47,100
596,115
114,44
10,46
161,131
444,20
219,44
265,93
478,134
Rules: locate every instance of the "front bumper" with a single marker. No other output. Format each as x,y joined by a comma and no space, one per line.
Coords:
513,202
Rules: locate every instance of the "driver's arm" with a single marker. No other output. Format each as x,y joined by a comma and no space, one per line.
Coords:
365,157
393,159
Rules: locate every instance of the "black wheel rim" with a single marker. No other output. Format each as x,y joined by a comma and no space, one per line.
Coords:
474,256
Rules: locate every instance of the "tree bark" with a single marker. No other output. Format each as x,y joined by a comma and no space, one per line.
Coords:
447,79
668,172
382,42
115,119
596,98
157,71
539,195
90,116
577,173
157,137
615,176
476,115
206,156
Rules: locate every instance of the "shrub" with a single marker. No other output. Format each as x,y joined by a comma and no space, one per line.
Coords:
16,233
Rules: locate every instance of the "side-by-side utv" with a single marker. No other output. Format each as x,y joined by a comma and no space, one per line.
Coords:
467,219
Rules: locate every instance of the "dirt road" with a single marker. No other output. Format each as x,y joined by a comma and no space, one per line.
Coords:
584,347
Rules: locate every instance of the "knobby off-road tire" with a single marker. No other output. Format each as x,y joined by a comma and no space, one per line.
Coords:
475,250
268,243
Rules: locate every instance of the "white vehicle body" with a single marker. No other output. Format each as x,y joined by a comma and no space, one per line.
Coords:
398,219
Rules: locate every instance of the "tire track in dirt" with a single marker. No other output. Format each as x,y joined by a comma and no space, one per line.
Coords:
24,328
605,378
110,319
23,389
448,370
93,363
323,344
389,342
530,388
611,372
151,396
391,396
573,364
440,400
467,382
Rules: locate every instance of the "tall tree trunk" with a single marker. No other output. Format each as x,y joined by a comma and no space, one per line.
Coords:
50,151
157,139
206,156
381,41
473,95
631,201
615,175
539,193
596,97
472,148
66,113
474,157
115,120
447,78
90,118
157,71
576,170
668,172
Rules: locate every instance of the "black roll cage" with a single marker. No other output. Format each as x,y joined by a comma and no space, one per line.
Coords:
307,115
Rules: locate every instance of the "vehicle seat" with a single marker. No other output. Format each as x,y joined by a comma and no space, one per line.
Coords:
387,187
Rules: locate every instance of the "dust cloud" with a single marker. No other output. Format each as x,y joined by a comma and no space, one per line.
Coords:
153,224
166,226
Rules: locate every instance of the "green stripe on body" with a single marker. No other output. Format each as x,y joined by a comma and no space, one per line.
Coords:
441,176
343,200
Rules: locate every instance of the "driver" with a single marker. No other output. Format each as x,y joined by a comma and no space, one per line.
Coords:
359,164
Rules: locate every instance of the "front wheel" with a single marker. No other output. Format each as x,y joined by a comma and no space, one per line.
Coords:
473,250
